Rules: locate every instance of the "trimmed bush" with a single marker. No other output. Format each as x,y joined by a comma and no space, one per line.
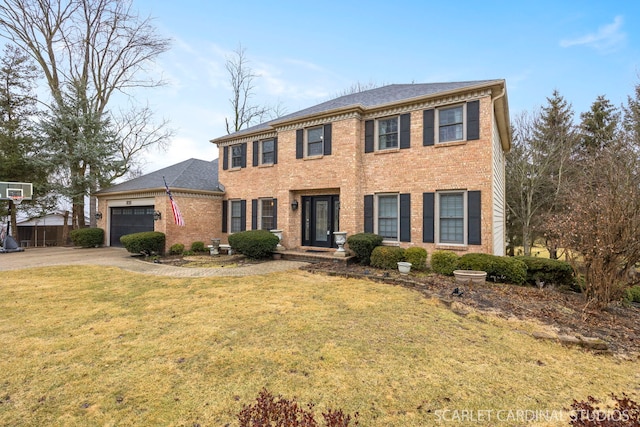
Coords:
254,244
444,262
146,242
176,249
633,294
549,271
417,257
386,257
498,268
362,244
87,237
197,247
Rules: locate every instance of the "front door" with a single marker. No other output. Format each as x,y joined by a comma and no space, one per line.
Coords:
320,218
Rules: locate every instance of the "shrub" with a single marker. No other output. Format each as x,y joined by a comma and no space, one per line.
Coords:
444,262
197,247
633,294
386,257
362,244
254,244
269,410
87,237
417,257
549,271
146,242
498,268
176,249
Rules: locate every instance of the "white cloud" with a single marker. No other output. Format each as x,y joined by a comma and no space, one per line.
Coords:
608,37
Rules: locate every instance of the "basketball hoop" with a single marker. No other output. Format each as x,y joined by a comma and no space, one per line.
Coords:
16,199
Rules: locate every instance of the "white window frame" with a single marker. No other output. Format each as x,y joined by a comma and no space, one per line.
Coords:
306,141
260,211
231,217
464,122
376,216
239,146
465,218
261,152
377,133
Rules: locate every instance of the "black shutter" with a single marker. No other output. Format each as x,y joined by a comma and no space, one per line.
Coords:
256,151
473,120
299,143
368,214
254,214
275,214
405,130
368,136
275,151
474,223
428,217
243,147
225,211
225,158
327,139
405,217
243,215
428,127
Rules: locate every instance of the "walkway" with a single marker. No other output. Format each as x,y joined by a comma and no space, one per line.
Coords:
119,257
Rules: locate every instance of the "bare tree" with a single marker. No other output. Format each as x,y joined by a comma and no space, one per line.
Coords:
98,47
241,79
357,87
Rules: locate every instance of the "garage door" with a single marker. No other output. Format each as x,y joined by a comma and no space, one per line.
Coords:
130,220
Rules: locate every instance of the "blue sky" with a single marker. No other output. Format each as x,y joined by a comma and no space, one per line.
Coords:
307,52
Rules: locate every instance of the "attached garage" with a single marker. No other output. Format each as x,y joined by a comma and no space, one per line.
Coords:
128,220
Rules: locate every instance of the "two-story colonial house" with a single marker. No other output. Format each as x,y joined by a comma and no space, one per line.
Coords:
418,164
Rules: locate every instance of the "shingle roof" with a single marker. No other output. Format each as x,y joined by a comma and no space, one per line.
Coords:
192,174
370,99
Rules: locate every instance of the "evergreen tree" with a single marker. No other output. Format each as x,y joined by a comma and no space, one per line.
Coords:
598,126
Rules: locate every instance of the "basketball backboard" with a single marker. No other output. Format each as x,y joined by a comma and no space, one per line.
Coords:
9,190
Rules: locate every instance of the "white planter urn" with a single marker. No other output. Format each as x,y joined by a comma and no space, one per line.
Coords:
469,276
404,267
341,239
278,234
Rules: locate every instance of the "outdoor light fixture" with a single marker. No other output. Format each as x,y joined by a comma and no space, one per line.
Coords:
157,215
294,205
98,215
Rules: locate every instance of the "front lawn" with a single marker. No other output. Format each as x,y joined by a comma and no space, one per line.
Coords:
101,346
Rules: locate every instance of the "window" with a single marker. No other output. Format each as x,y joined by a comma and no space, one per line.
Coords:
387,133
451,124
451,218
236,156
315,144
268,152
266,214
387,215
236,216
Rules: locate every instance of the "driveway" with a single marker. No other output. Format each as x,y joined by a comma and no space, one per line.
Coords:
119,257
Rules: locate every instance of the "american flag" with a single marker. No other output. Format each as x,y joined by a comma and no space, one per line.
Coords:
177,216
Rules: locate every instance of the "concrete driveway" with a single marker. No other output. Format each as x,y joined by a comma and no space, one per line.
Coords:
119,257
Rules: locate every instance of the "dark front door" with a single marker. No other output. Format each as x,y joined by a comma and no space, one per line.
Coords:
128,220
320,218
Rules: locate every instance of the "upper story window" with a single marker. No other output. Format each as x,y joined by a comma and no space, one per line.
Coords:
313,142
268,152
451,124
236,156
387,133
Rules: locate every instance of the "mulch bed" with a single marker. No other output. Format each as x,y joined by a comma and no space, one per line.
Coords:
565,311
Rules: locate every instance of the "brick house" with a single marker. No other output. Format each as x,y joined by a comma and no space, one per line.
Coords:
142,204
419,164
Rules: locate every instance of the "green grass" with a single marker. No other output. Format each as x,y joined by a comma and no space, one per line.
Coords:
84,346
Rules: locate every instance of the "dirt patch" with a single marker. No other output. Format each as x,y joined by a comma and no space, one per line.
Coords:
204,261
564,311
